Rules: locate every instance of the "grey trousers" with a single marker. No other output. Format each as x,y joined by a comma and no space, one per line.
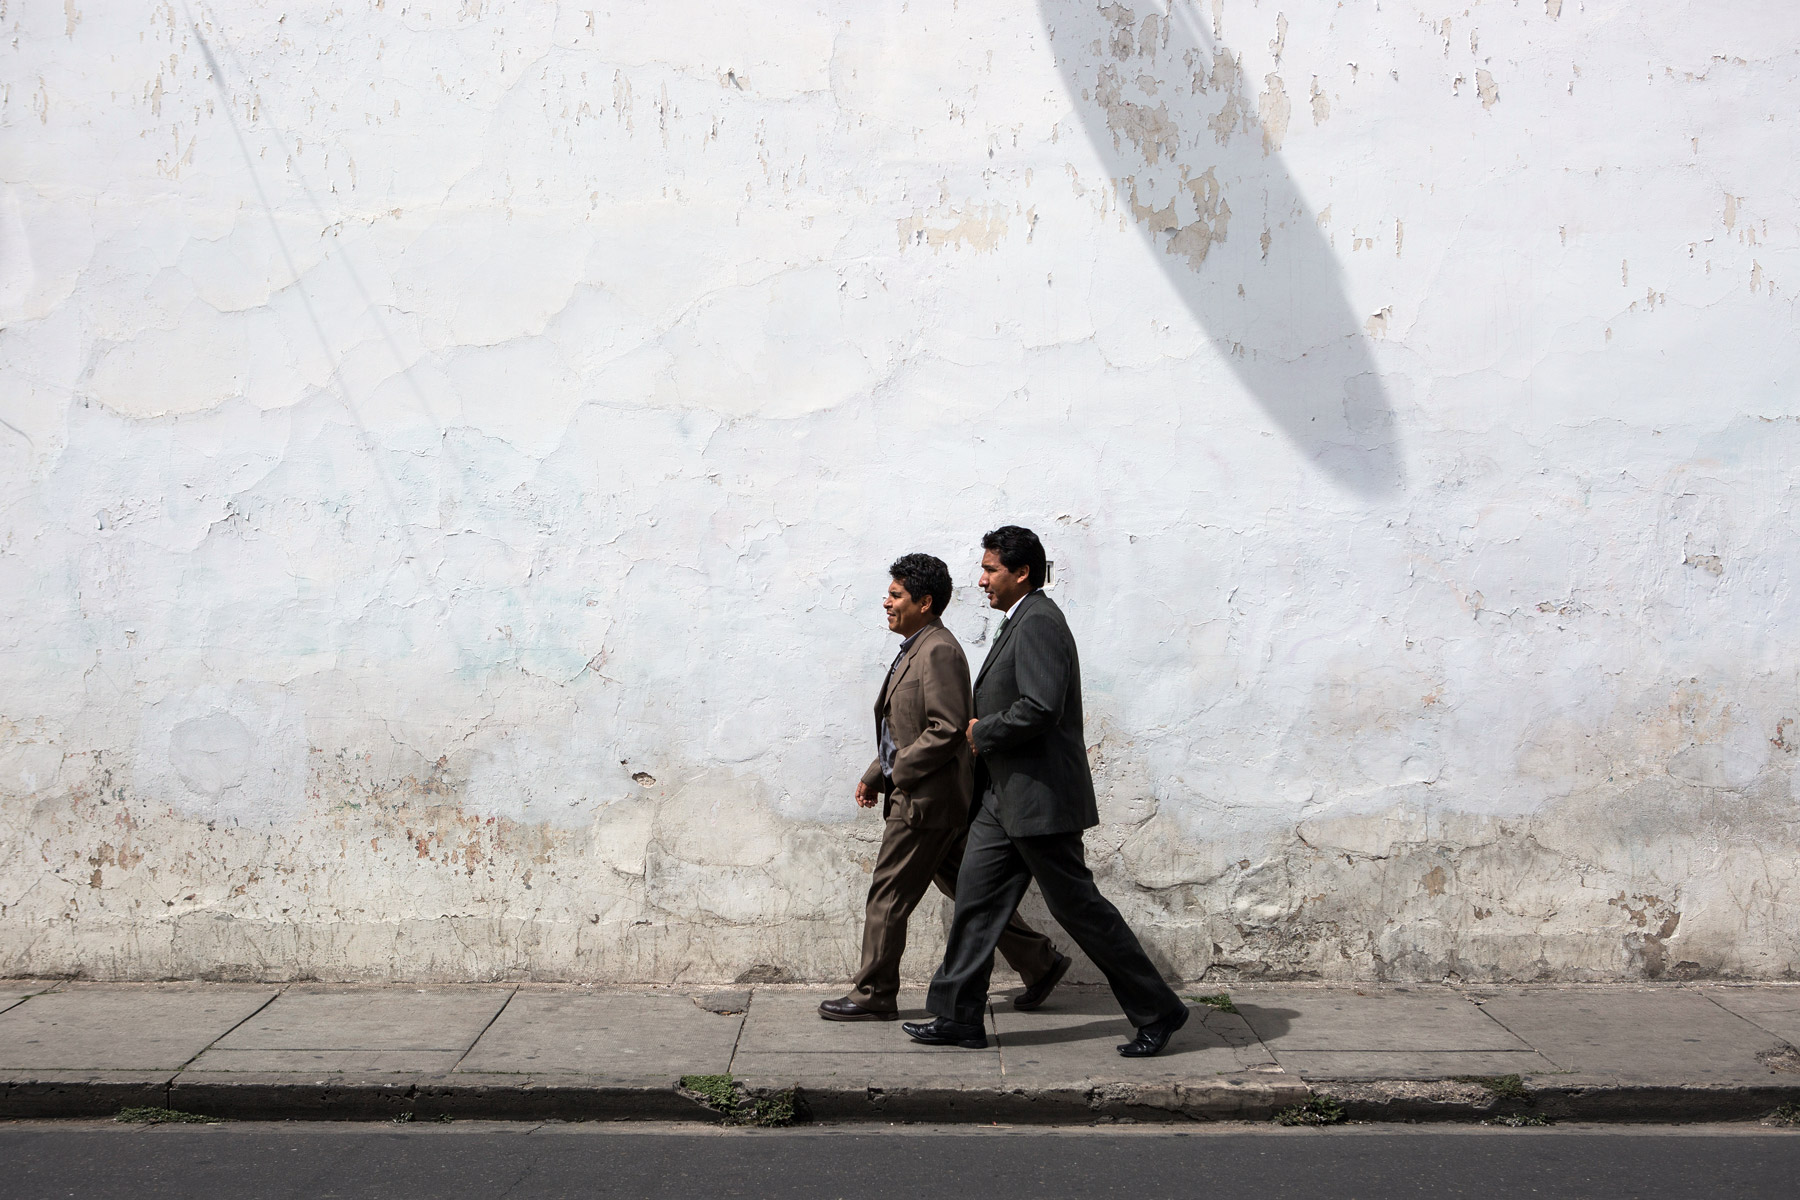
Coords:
996,869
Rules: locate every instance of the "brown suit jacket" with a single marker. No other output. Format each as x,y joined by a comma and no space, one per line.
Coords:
928,704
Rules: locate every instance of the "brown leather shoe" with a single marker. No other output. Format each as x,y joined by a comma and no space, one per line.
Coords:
846,1009
1035,995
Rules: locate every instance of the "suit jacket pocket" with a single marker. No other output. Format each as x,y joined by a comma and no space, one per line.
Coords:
938,802
906,711
920,812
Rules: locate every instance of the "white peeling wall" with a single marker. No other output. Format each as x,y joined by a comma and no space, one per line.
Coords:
451,453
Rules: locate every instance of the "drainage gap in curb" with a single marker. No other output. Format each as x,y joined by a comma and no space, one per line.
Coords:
1317,1110
1518,1120
151,1115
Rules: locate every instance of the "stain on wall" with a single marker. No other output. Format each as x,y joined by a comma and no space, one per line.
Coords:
449,456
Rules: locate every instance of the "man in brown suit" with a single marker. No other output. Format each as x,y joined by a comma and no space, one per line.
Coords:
924,779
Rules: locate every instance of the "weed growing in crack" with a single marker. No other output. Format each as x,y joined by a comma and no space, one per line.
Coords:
1786,1114
1219,1000
1500,1087
1317,1110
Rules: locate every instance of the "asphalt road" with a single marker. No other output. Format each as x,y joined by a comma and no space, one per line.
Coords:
97,1161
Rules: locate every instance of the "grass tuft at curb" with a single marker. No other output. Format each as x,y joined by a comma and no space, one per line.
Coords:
740,1105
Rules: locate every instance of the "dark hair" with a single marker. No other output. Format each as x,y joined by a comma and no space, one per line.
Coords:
1017,547
923,575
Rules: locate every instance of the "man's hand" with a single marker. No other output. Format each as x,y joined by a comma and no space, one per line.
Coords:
970,734
865,795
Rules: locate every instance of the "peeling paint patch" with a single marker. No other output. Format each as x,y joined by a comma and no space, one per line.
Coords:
1211,224
1486,88
1148,129
1273,108
975,227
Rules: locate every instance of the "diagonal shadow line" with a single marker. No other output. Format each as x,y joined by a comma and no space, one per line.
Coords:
339,387
1194,166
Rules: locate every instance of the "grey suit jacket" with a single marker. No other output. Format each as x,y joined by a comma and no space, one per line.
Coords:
1032,755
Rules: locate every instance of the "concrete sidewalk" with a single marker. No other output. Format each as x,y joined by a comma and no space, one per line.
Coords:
1654,1052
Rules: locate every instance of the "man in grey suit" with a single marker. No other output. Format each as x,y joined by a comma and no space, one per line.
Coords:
1037,795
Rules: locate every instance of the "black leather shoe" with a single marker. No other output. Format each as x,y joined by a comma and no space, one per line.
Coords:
846,1009
1153,1037
940,1032
1035,995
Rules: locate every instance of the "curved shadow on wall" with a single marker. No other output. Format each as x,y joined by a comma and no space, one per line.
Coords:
1193,150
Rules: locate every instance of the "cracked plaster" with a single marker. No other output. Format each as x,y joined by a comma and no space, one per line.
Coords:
450,452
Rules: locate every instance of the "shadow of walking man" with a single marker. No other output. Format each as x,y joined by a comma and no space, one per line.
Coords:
1194,154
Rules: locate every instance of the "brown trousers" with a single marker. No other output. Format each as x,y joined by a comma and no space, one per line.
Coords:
910,861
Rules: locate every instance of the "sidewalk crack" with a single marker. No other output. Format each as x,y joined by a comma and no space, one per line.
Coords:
999,1046
1266,1048
1523,1041
33,995
169,1087
1751,1021
742,1021
457,1065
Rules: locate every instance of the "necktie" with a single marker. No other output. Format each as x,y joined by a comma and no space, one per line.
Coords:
1001,632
